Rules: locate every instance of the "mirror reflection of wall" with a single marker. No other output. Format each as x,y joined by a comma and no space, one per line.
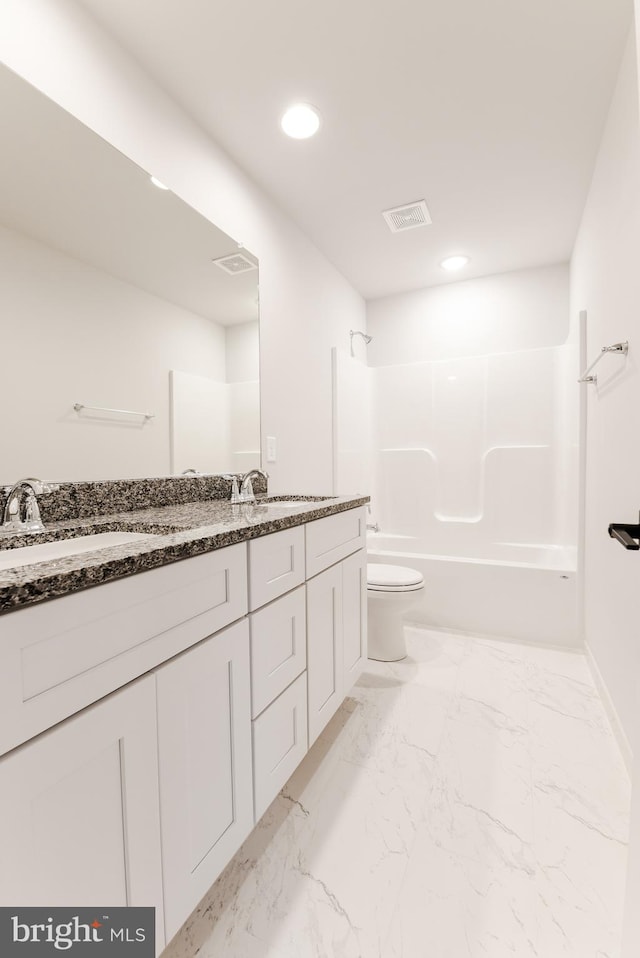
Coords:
108,292
215,424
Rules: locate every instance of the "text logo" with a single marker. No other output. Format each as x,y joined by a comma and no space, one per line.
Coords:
79,932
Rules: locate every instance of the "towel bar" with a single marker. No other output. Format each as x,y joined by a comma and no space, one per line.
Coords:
622,348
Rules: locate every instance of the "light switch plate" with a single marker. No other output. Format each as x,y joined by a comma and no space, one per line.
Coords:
271,448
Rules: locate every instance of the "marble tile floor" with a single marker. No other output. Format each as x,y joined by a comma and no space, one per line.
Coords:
468,802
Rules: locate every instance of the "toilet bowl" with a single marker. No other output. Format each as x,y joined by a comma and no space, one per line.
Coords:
391,591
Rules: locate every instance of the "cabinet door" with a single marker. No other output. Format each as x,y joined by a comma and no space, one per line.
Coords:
79,816
279,743
276,565
278,647
333,538
354,617
324,648
60,656
206,794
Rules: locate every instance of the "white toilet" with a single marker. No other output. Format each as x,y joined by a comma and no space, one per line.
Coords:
391,591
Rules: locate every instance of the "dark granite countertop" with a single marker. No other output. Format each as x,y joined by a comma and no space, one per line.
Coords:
176,531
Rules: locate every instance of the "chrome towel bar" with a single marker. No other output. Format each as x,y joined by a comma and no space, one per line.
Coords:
622,348
79,406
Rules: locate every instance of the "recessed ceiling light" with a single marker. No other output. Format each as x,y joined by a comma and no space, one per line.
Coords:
300,121
454,262
158,183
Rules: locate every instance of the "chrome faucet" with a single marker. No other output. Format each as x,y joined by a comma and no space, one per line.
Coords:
246,488
21,511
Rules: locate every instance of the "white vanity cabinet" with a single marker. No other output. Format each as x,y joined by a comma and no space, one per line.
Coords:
336,637
58,657
279,743
278,661
336,612
276,565
324,644
354,617
204,747
79,812
146,725
278,647
320,626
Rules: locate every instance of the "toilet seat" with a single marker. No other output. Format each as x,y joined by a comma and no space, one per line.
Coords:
393,578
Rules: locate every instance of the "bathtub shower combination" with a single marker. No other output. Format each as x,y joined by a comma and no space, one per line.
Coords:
474,465
532,600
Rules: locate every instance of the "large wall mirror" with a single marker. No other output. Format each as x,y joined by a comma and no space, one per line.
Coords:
129,322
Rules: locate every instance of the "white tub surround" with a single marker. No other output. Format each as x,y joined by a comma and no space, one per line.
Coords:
474,470
523,593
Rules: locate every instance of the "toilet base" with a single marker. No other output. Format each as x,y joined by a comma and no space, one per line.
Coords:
385,625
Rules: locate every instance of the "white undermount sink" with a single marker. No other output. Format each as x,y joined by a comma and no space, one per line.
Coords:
61,548
294,501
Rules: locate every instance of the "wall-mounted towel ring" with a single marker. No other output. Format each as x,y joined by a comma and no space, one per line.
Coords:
622,348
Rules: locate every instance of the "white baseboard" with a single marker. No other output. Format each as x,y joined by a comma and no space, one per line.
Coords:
610,709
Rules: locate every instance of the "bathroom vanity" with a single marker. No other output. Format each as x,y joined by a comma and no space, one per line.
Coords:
147,723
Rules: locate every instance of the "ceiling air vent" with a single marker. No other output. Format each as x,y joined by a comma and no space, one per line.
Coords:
235,263
407,217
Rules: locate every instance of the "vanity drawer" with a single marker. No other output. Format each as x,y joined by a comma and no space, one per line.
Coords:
279,743
59,656
331,539
276,565
278,647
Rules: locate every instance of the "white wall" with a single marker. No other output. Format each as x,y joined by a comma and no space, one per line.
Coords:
74,334
525,309
243,370
242,346
352,424
306,306
605,281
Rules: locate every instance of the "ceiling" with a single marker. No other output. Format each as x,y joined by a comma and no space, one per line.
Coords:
490,110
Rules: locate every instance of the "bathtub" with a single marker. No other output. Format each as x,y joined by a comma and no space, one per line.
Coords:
527,593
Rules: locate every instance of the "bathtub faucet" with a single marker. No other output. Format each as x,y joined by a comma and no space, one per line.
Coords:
371,526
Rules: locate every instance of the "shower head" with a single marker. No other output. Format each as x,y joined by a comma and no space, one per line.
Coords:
356,332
